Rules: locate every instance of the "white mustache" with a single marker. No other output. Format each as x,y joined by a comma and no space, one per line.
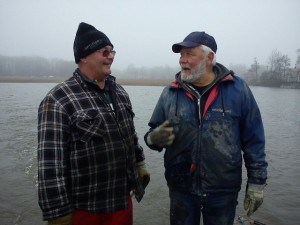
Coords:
185,66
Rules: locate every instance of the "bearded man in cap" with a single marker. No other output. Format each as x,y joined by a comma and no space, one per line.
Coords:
207,120
89,158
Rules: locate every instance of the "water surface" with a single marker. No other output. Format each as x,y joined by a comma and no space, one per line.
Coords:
18,143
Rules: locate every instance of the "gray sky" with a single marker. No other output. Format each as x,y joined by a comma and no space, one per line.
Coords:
143,31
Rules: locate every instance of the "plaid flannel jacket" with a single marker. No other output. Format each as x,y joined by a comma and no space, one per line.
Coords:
87,151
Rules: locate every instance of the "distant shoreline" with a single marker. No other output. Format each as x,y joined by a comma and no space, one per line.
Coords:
135,82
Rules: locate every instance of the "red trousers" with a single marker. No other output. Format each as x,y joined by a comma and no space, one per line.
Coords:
123,217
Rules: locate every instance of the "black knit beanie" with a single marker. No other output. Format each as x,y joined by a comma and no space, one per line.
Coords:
87,40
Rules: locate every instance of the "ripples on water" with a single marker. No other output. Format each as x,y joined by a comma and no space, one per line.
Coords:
18,199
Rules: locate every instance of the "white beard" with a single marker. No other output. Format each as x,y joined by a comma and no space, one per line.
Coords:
196,73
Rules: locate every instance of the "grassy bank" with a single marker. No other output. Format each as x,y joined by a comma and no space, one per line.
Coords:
137,82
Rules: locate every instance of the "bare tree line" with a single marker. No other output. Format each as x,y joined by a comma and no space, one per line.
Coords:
35,66
278,70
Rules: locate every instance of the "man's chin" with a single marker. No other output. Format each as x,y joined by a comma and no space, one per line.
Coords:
107,72
185,77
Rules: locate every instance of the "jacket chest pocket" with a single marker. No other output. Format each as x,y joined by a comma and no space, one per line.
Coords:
221,132
88,125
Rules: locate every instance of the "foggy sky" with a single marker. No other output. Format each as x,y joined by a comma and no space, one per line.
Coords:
143,31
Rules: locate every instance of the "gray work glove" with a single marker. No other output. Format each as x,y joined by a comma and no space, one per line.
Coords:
143,173
62,220
253,197
162,135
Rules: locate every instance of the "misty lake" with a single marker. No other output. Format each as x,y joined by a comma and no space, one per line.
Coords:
18,144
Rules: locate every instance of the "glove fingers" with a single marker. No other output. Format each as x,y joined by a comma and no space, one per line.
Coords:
250,209
246,203
252,206
170,139
166,133
168,129
166,138
253,198
165,124
162,135
145,181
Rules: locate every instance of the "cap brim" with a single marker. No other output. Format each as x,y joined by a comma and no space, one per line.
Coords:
177,47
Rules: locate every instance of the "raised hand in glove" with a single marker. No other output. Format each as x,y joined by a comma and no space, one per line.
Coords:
143,173
62,220
253,197
162,135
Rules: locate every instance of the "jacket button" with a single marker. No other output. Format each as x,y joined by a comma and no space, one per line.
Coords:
193,167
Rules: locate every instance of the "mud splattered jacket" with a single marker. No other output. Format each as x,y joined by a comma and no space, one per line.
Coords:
206,155
87,150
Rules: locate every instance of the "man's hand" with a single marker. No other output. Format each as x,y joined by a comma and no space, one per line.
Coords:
62,220
143,173
253,197
162,135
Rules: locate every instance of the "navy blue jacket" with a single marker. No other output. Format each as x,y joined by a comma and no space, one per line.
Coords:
206,155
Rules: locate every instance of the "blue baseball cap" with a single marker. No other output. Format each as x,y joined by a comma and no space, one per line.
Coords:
195,39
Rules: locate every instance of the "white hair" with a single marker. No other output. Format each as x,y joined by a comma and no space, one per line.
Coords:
207,50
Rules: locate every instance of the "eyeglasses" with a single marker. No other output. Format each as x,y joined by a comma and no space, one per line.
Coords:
106,53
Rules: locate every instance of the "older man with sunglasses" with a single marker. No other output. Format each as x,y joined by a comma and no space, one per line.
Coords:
89,158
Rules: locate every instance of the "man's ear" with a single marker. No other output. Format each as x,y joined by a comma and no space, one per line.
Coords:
210,58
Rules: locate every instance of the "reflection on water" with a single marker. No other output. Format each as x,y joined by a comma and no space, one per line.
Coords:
18,199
